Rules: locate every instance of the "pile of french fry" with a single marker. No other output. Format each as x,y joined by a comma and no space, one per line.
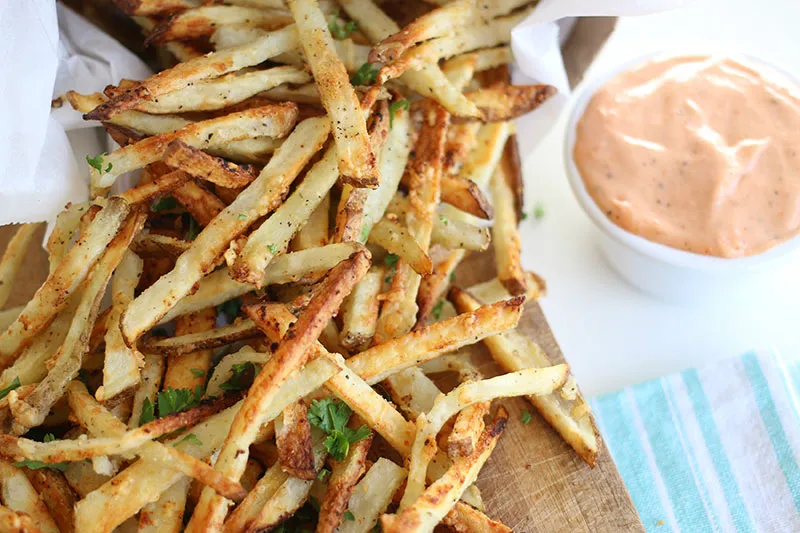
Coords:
281,282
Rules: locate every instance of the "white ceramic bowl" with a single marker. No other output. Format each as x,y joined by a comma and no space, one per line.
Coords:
671,274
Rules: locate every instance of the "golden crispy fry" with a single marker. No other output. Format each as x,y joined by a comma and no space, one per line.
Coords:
360,311
314,233
273,236
449,228
224,369
372,495
201,68
72,270
203,340
482,161
19,495
199,164
570,415
257,199
290,355
396,239
154,7
466,519
344,477
64,229
505,235
11,522
532,381
507,102
201,204
272,120
57,495
256,499
12,258
202,21
465,194
152,372
32,411
381,361
122,364
148,244
165,514
356,159
144,192
189,370
293,437
431,505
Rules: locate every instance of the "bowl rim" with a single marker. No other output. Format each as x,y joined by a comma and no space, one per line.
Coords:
654,250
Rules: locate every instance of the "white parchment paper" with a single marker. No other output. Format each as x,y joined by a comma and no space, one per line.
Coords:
46,49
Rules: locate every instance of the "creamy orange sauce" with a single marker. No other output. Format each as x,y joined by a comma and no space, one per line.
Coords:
698,153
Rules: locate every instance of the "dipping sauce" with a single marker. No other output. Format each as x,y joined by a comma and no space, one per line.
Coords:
699,153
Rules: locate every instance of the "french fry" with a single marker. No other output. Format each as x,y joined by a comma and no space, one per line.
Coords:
257,199
152,373
144,192
433,504
293,437
483,59
372,495
63,232
240,330
72,270
314,233
429,80
396,239
32,411
256,499
272,120
356,159
571,417
189,370
507,102
165,514
154,244
290,355
360,311
199,202
193,161
344,477
7,316
12,258
154,7
122,364
273,236
484,158
466,519
19,495
224,369
57,495
449,228
532,381
381,361
11,522
202,21
505,235
465,194
307,265
201,68
181,51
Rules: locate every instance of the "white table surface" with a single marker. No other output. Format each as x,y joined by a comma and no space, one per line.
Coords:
612,334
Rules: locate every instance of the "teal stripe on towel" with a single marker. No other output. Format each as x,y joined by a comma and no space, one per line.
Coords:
702,412
615,414
671,461
772,422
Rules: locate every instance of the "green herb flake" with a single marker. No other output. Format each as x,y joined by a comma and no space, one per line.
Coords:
273,248
191,438
341,32
196,372
524,215
526,417
349,516
365,74
36,465
400,104
164,204
193,229
323,474
239,379
391,260
148,412
49,437
538,211
444,220
242,216
230,309
452,277
177,400
96,163
437,309
331,416
11,386
365,233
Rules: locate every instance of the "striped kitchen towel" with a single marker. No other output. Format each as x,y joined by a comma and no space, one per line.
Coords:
710,449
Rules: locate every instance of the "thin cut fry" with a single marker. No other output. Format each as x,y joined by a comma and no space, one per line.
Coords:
256,499
505,235
483,159
202,21
507,102
396,239
201,204
360,311
189,370
193,161
19,495
343,479
372,495
356,160
152,372
204,340
464,518
57,495
12,258
293,438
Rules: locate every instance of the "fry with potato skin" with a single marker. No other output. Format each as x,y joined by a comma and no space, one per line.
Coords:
343,479
199,164
19,496
506,102
505,236
293,438
202,21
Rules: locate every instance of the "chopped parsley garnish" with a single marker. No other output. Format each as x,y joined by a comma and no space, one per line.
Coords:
349,516
230,309
242,216
391,260
341,32
331,416
400,104
96,162
192,229
526,417
437,309
198,373
164,204
170,401
538,211
273,248
365,74
444,220
364,233
524,215
192,438
323,474
11,386
452,277
242,377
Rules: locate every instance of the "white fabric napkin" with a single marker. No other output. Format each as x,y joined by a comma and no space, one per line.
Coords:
46,49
